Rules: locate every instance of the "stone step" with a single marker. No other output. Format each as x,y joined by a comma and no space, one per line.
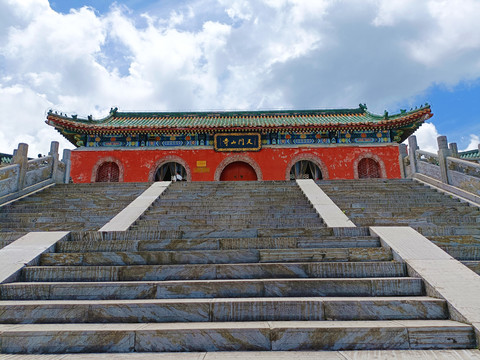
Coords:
55,213
77,198
73,209
378,193
222,310
225,208
285,220
65,205
215,244
444,229
192,289
454,240
236,194
64,226
4,243
429,230
256,230
186,224
188,210
211,232
473,265
209,216
382,209
10,236
411,218
31,220
236,336
463,252
233,191
214,271
144,234
229,204
215,256
161,234
392,202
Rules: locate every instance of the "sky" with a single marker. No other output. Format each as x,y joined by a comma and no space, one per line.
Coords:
85,57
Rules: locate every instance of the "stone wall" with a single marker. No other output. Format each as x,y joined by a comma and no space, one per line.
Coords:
25,176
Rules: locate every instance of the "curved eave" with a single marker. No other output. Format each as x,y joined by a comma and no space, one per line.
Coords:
89,128
408,123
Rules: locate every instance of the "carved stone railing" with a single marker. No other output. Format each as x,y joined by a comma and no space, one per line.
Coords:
464,175
463,166
443,169
428,164
24,176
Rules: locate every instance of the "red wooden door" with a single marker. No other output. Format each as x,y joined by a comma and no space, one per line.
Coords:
108,172
238,171
368,169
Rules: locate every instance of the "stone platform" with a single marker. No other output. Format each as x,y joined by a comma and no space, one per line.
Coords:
217,269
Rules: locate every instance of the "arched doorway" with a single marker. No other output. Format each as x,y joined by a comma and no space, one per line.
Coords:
368,169
168,170
108,172
305,169
238,171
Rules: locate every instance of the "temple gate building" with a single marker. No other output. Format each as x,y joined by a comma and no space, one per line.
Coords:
242,145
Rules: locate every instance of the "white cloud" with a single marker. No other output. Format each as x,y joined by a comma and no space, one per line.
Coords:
427,137
474,142
23,114
242,54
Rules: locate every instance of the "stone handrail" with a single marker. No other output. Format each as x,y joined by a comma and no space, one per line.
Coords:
426,156
443,168
26,176
39,170
463,166
9,179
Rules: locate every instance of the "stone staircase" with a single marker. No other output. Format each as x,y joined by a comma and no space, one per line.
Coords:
223,267
452,225
66,207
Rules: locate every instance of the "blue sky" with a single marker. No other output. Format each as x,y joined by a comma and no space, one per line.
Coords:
83,57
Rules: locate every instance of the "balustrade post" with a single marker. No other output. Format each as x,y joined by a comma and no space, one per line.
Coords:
402,155
67,162
443,153
412,148
454,149
20,158
54,154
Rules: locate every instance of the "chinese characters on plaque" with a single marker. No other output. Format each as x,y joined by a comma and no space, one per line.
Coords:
237,142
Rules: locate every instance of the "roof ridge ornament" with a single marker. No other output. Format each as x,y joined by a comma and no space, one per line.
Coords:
362,106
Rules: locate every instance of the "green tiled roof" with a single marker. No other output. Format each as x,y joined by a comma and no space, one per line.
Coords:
5,158
218,121
241,119
470,155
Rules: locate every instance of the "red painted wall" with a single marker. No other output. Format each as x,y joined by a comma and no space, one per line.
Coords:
140,165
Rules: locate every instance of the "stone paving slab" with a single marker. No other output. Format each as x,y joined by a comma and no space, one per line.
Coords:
216,271
400,286
215,244
233,336
137,207
216,256
240,309
262,355
16,255
326,208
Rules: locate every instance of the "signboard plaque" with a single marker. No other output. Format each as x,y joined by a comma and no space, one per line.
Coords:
237,142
